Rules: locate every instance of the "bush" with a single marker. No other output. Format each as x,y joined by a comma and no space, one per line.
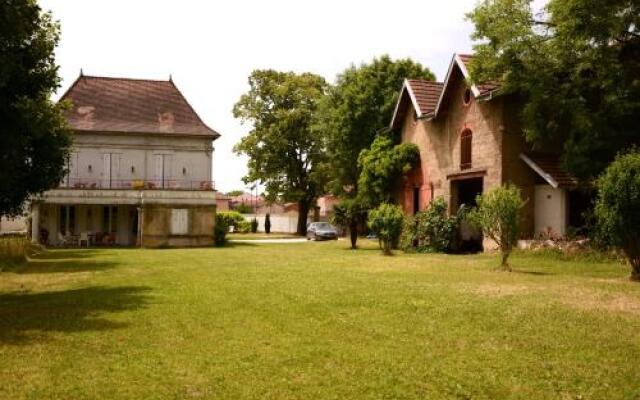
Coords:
14,250
348,215
254,225
432,230
235,219
617,208
243,208
386,221
267,224
220,231
498,215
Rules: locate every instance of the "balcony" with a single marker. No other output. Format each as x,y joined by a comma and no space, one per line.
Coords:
138,184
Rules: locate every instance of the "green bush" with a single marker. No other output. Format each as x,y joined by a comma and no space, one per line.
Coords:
432,230
254,225
386,221
235,219
498,215
267,224
220,231
14,250
617,208
243,208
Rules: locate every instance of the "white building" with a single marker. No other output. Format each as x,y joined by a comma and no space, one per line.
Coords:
139,172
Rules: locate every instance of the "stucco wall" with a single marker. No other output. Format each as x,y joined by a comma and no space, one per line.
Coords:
157,226
136,157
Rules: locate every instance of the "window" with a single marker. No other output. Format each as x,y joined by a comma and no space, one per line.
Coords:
416,200
466,97
110,219
179,221
67,220
465,149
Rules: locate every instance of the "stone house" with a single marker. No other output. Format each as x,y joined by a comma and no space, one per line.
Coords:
139,172
470,141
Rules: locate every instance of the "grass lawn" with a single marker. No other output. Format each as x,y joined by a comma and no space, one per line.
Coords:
315,320
260,236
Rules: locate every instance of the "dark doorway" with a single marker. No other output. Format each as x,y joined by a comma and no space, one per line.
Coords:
416,200
465,192
580,206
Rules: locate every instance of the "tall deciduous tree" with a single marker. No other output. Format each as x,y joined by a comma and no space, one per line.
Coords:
576,67
359,105
284,153
34,139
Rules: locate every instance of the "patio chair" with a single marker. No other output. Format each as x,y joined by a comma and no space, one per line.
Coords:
84,237
63,240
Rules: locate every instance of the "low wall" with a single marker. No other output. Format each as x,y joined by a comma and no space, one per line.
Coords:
282,223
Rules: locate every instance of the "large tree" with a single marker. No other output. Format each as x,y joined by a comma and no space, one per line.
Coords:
576,68
34,139
356,109
284,154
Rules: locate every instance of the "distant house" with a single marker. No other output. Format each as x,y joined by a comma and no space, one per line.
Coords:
139,172
470,141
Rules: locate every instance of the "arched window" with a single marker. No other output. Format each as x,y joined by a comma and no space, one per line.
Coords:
465,149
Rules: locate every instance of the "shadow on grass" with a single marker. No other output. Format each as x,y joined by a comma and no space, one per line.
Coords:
28,317
63,261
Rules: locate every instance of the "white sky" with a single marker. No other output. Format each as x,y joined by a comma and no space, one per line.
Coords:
211,47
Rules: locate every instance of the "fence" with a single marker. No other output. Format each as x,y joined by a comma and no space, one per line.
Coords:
281,223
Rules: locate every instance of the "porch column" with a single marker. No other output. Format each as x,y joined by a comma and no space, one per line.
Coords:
140,225
35,223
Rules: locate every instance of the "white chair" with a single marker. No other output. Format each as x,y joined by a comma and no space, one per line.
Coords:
63,240
84,237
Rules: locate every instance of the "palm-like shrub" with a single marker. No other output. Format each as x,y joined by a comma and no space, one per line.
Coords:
348,215
386,221
498,215
617,208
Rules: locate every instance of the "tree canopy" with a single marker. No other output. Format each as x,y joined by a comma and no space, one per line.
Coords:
356,108
284,153
34,139
576,68
381,166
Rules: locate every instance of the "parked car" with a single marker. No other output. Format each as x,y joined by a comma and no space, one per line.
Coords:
321,231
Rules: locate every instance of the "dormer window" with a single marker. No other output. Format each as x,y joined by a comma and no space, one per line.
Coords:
465,149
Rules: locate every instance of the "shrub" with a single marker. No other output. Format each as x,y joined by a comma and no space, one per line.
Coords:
220,231
267,224
432,230
235,219
254,225
617,208
14,250
243,208
498,215
386,221
348,215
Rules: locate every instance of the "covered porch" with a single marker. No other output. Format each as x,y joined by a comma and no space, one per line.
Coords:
86,225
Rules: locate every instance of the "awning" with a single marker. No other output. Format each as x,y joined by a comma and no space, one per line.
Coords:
550,169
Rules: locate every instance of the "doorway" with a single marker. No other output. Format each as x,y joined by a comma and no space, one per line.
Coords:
464,193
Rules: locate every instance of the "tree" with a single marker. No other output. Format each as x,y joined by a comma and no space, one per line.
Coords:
498,215
284,153
34,138
387,221
235,193
575,67
617,208
359,105
267,224
381,165
349,214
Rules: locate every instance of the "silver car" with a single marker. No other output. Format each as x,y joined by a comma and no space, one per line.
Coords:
321,231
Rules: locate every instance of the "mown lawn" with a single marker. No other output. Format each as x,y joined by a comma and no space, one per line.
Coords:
315,320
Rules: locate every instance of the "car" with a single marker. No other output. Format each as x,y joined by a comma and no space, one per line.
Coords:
321,231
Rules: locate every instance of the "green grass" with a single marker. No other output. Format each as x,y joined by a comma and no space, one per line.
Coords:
260,236
315,320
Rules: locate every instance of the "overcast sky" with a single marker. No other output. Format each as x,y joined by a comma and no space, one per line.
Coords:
210,47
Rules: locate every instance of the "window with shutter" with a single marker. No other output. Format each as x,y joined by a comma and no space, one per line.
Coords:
465,149
179,221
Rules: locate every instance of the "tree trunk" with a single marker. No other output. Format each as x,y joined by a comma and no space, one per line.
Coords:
387,247
635,269
505,264
353,233
303,213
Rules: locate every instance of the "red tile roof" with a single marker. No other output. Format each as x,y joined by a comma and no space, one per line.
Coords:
426,94
132,106
484,88
552,167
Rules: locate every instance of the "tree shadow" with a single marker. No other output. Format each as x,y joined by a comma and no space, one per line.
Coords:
26,317
536,273
63,261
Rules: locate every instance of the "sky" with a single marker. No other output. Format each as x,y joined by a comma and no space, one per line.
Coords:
210,47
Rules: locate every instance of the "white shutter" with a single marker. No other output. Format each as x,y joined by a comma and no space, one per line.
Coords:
168,166
106,170
158,169
115,166
179,221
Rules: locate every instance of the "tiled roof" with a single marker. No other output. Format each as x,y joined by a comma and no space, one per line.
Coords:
132,106
426,94
484,88
551,170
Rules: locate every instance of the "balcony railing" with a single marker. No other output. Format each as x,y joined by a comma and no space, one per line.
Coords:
138,184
